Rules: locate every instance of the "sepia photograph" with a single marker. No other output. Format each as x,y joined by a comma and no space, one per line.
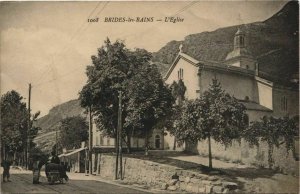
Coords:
149,96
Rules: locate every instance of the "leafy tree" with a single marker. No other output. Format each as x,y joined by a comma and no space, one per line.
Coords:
149,102
178,92
270,130
215,115
73,130
14,124
145,97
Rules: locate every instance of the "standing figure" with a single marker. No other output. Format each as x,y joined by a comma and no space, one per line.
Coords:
36,170
6,166
54,158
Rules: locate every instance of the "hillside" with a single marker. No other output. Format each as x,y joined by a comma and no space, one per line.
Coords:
57,113
274,42
50,122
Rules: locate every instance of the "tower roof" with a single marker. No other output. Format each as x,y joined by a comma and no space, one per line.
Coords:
239,49
239,32
238,53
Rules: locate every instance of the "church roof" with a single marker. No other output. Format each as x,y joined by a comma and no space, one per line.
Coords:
239,52
195,61
208,65
179,56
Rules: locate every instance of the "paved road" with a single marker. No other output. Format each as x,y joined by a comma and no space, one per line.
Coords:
22,183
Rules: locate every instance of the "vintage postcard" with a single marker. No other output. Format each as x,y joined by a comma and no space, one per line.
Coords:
149,96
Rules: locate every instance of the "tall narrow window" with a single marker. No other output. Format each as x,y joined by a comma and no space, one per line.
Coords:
247,120
180,74
241,41
101,139
97,141
284,103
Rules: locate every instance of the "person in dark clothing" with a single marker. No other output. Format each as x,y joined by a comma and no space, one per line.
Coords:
54,159
36,171
6,166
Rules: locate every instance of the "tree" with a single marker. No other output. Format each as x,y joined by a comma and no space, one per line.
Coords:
149,102
270,130
178,92
215,115
14,125
145,97
73,130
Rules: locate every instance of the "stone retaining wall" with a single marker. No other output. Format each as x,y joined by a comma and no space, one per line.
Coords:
156,175
242,153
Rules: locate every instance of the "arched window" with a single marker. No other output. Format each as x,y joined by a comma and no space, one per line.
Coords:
157,141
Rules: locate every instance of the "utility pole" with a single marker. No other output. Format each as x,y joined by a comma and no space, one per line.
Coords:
120,133
28,130
117,150
90,139
56,142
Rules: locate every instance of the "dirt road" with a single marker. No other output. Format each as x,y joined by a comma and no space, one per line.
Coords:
21,182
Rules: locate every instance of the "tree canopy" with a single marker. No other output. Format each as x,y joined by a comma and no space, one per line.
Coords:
215,115
145,99
14,123
73,130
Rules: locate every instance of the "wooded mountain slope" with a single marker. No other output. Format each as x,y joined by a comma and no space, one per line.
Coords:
273,42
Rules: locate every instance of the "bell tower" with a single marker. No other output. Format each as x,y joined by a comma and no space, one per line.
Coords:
239,39
240,56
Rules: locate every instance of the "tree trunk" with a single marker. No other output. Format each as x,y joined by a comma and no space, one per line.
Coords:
128,143
20,160
98,163
209,153
146,143
174,145
15,156
117,155
270,157
4,153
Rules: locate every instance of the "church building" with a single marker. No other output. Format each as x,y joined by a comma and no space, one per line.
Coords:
239,76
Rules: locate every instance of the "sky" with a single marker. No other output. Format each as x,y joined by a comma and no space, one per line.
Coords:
49,44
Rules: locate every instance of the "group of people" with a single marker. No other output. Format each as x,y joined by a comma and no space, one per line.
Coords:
52,164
